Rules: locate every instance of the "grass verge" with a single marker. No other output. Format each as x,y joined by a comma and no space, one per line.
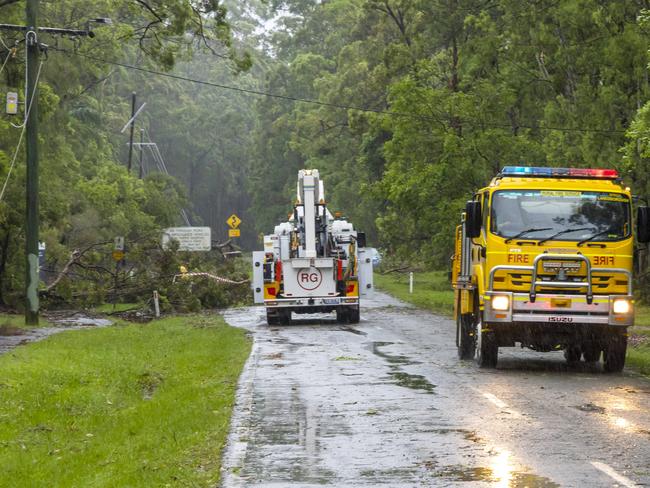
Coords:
128,405
10,322
431,289
638,355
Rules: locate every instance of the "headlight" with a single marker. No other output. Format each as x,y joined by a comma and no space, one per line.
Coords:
501,302
622,306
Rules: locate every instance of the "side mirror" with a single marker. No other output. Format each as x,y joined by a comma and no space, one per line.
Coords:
643,224
361,239
473,219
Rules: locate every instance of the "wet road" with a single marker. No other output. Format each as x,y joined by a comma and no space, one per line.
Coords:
387,403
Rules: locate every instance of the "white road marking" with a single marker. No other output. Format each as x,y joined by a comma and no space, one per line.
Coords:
619,478
497,402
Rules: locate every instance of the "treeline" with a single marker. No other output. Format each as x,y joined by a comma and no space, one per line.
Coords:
87,197
441,94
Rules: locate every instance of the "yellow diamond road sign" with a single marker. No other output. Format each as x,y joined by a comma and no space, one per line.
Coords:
233,221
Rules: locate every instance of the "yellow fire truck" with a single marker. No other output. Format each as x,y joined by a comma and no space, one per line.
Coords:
543,258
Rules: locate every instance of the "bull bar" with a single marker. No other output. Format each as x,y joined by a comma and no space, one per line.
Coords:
524,307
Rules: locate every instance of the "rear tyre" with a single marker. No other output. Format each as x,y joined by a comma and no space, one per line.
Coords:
342,315
284,317
465,334
354,314
614,354
272,318
487,347
572,354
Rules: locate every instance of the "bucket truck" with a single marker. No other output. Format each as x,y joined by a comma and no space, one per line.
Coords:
314,262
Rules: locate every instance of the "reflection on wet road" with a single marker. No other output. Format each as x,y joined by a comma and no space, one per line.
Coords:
386,403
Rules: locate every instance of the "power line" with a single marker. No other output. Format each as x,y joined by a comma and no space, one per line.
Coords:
334,105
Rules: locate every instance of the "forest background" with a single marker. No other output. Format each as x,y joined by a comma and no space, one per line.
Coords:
405,106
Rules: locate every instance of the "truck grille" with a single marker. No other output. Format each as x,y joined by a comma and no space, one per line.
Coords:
615,283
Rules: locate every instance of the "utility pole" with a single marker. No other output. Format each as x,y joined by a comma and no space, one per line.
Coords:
32,220
141,174
33,46
128,166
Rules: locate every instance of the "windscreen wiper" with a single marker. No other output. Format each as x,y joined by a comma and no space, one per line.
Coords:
565,231
598,234
523,232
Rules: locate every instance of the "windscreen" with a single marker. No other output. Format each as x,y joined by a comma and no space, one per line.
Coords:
560,215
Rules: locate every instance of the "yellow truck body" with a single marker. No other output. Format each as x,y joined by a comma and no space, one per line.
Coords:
544,258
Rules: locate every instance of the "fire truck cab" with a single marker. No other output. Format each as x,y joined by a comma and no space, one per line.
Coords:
544,259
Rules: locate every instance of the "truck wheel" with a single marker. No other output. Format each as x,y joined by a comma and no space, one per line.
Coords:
342,315
614,353
591,353
487,347
272,318
354,314
284,317
465,334
572,354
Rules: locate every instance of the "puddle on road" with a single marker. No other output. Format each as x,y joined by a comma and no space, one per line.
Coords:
402,378
468,435
413,381
353,331
509,479
590,408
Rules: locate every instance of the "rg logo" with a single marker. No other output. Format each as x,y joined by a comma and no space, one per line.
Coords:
309,278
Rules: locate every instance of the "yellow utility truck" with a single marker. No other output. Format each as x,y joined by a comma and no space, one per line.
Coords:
544,258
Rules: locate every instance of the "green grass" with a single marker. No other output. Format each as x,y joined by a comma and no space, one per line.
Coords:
638,356
18,321
431,289
128,405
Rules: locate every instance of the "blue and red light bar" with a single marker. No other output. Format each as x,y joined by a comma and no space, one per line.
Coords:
535,171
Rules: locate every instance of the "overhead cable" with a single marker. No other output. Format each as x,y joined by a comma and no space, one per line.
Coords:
338,105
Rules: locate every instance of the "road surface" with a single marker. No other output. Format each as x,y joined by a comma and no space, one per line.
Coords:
387,403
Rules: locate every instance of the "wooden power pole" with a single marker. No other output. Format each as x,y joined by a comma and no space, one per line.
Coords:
31,135
33,48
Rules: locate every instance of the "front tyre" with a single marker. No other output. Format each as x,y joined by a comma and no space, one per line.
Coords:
487,347
614,353
591,353
465,336
572,354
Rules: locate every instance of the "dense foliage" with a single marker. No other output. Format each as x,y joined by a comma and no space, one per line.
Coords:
87,195
471,86
406,107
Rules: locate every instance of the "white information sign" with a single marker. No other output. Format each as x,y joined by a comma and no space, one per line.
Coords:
189,238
